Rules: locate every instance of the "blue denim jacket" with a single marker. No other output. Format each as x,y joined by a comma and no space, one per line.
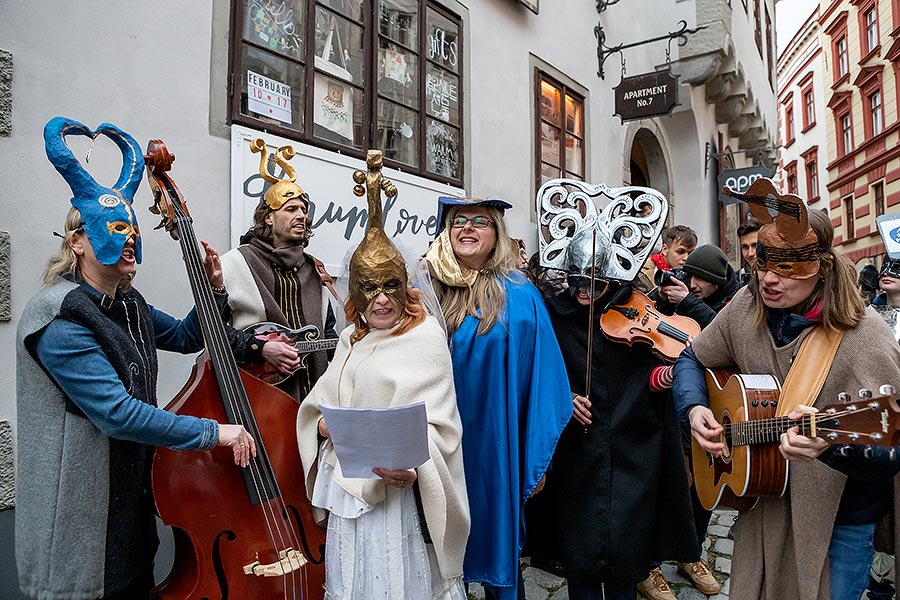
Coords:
75,360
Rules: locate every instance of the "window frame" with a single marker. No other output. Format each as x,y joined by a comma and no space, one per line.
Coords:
849,223
811,172
541,76
371,36
808,100
789,126
792,184
878,204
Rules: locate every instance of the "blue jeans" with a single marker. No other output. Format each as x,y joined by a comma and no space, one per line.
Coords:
591,589
849,556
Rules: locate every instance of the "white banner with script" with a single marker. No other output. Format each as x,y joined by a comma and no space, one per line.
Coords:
339,217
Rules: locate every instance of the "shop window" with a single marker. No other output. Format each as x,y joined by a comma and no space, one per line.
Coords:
560,137
349,75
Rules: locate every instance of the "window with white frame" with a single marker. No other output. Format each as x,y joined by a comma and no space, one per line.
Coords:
871,29
842,60
877,113
847,133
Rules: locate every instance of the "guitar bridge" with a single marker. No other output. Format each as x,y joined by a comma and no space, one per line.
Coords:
290,560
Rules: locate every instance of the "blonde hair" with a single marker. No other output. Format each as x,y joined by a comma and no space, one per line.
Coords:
842,305
488,294
413,315
65,262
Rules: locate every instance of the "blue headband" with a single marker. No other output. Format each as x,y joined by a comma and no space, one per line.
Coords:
106,213
445,203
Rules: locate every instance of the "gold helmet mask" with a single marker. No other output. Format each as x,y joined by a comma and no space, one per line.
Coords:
281,190
376,266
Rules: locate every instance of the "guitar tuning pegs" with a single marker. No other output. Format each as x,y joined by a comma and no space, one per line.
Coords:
865,393
886,390
843,397
844,450
893,454
868,452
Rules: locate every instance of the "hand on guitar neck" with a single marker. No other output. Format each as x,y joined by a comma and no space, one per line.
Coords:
793,445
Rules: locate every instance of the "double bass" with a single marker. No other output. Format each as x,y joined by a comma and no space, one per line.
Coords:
240,534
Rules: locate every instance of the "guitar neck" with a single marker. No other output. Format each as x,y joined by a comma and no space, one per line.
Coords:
765,431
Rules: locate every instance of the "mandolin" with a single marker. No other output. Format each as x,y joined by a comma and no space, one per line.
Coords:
305,340
752,465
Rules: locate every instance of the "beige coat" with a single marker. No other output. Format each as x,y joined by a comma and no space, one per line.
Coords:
383,370
781,547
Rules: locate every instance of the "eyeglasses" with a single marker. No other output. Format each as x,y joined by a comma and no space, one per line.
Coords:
477,222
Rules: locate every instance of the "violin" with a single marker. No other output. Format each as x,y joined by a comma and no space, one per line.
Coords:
639,321
249,533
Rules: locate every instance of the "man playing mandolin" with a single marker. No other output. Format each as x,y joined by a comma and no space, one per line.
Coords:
800,309
271,279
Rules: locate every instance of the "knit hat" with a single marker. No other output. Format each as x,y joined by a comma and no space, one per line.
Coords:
708,262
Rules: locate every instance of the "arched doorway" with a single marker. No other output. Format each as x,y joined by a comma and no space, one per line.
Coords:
647,163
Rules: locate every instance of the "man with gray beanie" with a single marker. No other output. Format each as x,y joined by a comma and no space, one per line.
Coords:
710,284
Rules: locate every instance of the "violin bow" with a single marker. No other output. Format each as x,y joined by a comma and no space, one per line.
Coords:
590,335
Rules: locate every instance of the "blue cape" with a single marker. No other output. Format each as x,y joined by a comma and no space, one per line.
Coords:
514,400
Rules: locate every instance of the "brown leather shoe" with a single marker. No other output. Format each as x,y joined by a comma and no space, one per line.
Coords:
655,587
701,576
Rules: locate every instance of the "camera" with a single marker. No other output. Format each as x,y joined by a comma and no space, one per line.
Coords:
665,277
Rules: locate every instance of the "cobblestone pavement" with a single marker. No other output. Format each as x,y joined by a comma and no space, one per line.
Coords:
540,585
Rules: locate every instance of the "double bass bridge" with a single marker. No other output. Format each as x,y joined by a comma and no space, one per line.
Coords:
289,560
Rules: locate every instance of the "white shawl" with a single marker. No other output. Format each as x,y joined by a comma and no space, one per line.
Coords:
383,370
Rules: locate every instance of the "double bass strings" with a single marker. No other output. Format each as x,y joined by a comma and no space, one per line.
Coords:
235,396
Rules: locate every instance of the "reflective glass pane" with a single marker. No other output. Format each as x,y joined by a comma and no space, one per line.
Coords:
349,8
337,111
275,24
574,116
441,94
549,143
442,45
271,88
397,73
339,47
574,156
548,172
399,21
550,102
442,149
398,133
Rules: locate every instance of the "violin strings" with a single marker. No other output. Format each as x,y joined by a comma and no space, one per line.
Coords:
231,379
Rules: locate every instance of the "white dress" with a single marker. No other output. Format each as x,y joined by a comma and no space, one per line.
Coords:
377,552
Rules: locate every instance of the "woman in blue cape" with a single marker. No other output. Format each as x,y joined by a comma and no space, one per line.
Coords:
511,383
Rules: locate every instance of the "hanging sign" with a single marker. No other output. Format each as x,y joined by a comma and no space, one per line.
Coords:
739,180
648,95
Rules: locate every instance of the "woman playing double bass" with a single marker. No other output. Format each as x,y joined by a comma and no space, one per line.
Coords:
86,394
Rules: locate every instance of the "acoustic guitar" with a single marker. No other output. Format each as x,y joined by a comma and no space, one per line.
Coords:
752,465
305,340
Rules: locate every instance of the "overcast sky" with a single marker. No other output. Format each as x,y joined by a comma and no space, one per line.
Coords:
789,16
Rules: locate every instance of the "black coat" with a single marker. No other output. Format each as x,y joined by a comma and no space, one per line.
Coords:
619,486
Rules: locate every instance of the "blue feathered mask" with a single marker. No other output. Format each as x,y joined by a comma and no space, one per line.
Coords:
106,213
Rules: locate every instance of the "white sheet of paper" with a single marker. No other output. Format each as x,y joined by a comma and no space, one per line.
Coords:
365,438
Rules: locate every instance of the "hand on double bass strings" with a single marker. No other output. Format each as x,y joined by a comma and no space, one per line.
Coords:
213,266
796,446
241,442
706,430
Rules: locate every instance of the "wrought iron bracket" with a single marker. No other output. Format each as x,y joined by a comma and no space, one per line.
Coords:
604,51
604,4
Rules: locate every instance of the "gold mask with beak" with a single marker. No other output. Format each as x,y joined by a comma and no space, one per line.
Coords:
376,266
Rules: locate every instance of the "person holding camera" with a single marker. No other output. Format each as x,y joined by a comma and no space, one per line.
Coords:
701,288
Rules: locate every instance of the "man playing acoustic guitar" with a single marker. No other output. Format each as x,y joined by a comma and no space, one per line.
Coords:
802,314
